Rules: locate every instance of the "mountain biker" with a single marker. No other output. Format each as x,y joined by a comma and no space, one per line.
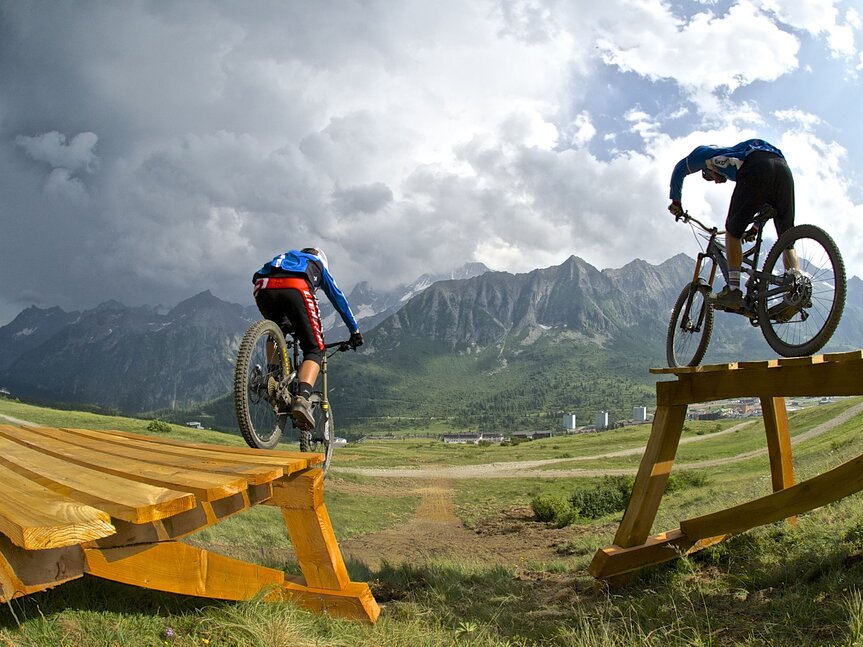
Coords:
761,176
285,294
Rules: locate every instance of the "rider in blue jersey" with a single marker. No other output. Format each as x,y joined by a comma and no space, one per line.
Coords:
285,293
761,176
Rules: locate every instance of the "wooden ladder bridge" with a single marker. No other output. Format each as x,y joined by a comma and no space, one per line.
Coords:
836,374
117,505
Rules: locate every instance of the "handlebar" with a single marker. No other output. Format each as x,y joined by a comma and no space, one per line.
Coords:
340,346
685,217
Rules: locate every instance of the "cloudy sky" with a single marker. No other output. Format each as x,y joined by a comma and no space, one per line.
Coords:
150,150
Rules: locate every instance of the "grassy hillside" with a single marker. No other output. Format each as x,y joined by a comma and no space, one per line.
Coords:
498,577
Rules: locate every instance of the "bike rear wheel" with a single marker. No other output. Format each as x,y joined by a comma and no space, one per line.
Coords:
319,439
261,411
690,327
799,314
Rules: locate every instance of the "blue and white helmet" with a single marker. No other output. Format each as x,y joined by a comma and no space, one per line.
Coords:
318,253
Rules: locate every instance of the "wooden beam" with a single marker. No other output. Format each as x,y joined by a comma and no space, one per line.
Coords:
807,495
778,442
180,568
614,560
652,476
354,602
301,499
28,571
818,379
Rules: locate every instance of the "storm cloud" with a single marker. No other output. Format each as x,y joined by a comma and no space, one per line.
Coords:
152,150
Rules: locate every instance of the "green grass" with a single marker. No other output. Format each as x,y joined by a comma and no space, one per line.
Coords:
776,585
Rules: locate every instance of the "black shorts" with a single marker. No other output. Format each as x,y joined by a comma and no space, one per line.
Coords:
297,310
763,178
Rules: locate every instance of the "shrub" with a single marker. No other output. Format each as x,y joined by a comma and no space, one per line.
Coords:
549,508
685,479
157,426
854,536
609,495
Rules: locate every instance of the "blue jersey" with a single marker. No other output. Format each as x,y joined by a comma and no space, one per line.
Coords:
725,161
310,266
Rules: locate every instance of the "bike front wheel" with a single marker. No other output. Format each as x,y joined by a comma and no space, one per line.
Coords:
320,438
798,311
690,327
259,374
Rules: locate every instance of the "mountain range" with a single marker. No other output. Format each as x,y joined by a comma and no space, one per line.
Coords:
480,349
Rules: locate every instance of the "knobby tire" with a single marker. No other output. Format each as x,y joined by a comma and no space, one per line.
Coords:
700,309
826,270
258,417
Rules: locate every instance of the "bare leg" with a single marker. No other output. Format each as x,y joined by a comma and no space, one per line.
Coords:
734,249
789,258
308,372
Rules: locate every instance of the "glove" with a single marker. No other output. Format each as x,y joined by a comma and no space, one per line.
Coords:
750,234
356,339
676,209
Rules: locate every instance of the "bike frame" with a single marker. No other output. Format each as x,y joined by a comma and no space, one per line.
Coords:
715,253
294,345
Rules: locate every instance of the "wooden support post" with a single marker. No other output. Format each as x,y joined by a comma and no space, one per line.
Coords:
778,445
652,476
301,498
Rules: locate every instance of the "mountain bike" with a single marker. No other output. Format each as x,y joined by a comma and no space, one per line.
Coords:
797,310
265,379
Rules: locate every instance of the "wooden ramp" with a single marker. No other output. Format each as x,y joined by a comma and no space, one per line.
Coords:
771,381
116,505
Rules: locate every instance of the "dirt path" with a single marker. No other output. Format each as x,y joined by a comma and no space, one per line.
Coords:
511,538
528,469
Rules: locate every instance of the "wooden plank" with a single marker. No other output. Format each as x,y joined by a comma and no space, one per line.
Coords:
204,485
613,561
290,462
35,518
810,494
23,572
652,476
119,497
301,498
221,464
176,567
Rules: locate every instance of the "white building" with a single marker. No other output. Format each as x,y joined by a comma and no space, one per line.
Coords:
639,414
602,420
569,421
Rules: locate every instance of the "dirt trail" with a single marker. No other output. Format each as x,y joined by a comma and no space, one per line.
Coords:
528,469
511,538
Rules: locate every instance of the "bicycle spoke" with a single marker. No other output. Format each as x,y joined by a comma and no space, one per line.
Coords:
800,319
